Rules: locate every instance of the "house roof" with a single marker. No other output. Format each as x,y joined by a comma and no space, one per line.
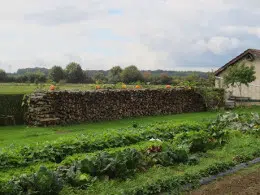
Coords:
252,52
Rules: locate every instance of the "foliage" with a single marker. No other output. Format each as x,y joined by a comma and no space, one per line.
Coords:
58,150
196,141
165,155
43,182
22,71
74,73
120,165
125,163
164,180
32,77
114,75
131,74
88,78
239,74
12,105
245,122
178,178
214,98
99,77
2,75
85,172
165,79
56,74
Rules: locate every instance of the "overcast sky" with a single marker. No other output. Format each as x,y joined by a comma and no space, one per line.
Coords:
152,34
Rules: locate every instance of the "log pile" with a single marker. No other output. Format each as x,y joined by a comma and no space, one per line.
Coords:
65,107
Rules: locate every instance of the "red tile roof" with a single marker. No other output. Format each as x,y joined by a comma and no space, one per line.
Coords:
253,52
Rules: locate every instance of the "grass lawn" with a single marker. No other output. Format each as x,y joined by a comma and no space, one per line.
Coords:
21,135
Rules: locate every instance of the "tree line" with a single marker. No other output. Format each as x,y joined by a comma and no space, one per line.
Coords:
73,73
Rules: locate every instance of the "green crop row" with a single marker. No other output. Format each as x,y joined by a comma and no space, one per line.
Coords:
114,164
123,162
83,171
58,150
175,179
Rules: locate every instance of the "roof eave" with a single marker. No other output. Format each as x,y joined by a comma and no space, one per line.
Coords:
233,61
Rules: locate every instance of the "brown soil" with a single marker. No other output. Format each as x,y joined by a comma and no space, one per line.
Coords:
244,183
62,132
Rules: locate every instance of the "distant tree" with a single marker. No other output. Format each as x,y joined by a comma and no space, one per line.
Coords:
22,71
35,77
155,80
165,79
239,74
147,76
131,74
177,73
210,80
114,74
99,77
2,75
10,78
56,74
176,80
88,78
22,78
74,73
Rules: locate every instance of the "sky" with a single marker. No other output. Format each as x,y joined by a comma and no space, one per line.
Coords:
151,34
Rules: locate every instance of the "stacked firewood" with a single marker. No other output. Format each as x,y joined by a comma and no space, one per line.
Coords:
66,107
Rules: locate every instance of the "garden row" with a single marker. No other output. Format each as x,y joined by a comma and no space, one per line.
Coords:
183,146
56,151
180,177
119,163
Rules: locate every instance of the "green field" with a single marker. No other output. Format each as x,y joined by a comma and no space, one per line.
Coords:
26,88
112,157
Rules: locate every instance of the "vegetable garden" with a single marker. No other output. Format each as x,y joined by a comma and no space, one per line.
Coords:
141,159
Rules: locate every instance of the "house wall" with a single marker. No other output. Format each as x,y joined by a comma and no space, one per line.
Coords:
253,91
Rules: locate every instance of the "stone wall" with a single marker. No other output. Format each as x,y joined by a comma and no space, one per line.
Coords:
64,107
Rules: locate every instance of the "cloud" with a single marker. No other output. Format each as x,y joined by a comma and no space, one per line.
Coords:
60,15
250,30
153,34
217,45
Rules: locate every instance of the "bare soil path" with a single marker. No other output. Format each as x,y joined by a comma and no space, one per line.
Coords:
245,182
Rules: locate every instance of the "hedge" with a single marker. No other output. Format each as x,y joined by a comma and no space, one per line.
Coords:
11,105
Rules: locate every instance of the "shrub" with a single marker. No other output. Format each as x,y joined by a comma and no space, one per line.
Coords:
12,105
214,98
